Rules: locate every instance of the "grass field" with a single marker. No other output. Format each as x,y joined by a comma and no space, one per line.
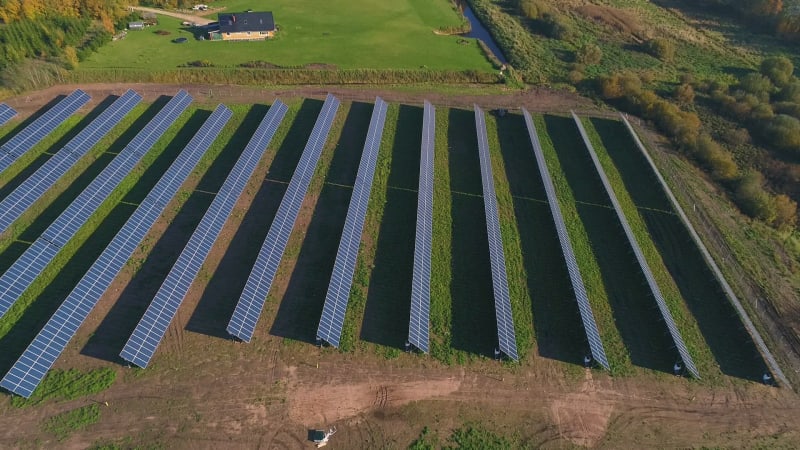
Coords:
387,35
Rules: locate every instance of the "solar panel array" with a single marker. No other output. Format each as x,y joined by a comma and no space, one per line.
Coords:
46,176
502,301
38,358
145,339
41,127
333,311
418,326
248,308
662,305
585,309
6,113
31,264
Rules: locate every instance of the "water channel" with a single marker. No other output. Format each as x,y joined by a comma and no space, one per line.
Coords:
479,31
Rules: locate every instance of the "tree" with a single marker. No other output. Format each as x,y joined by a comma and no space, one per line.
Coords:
778,69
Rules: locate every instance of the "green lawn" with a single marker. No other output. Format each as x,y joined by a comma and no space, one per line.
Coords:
347,34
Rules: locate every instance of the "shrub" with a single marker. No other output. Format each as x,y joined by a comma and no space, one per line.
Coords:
661,48
684,94
715,158
752,199
758,85
589,54
778,69
783,133
785,213
555,26
575,76
788,108
534,9
200,63
790,92
619,84
736,136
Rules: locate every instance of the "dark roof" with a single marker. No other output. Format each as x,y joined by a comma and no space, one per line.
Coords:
246,21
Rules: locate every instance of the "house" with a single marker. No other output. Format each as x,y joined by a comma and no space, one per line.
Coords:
244,26
136,25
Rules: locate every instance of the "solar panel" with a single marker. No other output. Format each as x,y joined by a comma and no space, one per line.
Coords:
22,273
648,274
41,127
6,113
150,331
40,355
585,309
502,302
46,176
248,308
332,319
418,326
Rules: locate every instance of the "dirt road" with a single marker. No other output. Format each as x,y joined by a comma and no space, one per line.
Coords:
187,17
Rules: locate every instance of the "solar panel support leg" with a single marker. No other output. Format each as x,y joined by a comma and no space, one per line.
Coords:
496,353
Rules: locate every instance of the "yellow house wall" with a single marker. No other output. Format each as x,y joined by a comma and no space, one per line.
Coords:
245,37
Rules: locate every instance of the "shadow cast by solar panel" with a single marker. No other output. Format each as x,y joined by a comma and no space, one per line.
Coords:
216,305
57,146
474,326
635,313
301,306
30,119
722,329
58,205
110,336
556,320
37,314
388,307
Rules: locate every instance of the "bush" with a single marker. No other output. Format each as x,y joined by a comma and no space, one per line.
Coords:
790,92
619,85
778,69
684,94
788,108
736,136
785,213
534,9
589,54
783,133
661,48
752,199
716,159
758,85
200,63
555,26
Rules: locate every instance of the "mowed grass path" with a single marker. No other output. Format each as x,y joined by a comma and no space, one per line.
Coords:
463,325
346,33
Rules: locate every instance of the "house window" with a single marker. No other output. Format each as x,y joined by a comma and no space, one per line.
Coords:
248,33
228,33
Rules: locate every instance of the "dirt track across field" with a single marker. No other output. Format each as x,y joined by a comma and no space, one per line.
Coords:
543,100
186,17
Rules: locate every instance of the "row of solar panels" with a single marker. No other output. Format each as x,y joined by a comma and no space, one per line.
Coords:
31,367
